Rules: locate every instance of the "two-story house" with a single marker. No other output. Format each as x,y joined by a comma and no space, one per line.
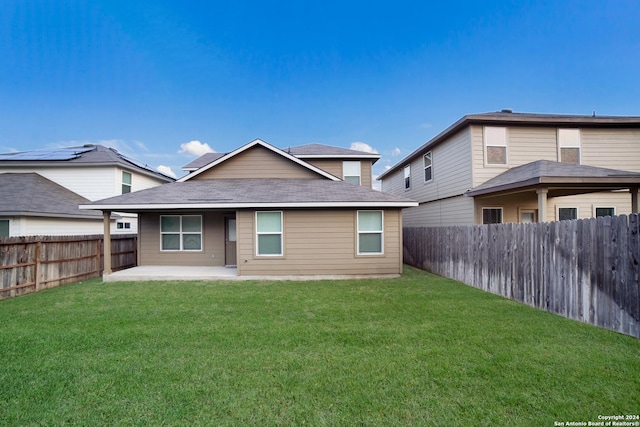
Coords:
89,172
268,212
517,167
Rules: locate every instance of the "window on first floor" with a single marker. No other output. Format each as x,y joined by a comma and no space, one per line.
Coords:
407,177
4,228
428,166
269,233
491,215
126,182
370,232
565,214
123,225
605,212
181,232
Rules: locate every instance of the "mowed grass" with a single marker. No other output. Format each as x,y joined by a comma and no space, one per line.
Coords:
419,350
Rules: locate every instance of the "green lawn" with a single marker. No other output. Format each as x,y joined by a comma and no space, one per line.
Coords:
419,350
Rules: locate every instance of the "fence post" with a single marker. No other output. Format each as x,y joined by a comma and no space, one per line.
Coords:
36,267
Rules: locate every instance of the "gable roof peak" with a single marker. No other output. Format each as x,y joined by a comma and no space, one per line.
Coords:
266,145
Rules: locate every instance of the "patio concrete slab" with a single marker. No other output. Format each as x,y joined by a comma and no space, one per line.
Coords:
162,272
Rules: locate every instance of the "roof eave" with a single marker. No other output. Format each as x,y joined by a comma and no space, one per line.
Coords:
246,205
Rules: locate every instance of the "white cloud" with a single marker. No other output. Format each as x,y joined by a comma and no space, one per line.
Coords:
166,170
396,152
195,148
361,146
425,125
387,167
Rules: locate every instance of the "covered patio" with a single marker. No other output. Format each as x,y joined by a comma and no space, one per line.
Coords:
543,179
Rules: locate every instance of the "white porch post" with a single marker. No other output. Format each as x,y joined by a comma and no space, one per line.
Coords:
542,204
107,242
635,200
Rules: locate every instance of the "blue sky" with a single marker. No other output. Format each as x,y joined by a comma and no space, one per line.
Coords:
163,80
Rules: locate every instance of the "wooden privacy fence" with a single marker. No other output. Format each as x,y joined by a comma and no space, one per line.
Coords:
587,270
29,264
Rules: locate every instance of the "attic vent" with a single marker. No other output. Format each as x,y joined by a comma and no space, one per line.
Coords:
507,110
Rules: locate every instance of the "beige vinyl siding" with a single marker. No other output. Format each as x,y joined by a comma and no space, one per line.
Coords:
524,145
320,242
334,167
611,148
586,204
212,253
513,204
440,213
258,162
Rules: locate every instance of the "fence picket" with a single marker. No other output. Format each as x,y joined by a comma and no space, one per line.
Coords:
41,262
587,270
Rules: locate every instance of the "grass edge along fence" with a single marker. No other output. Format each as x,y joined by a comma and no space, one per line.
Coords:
32,263
586,270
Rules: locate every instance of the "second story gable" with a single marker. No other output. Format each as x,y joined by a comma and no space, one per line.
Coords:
259,159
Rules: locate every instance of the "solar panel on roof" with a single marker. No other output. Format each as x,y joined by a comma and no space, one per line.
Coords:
47,154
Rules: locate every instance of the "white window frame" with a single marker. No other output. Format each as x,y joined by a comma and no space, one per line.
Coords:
120,225
497,143
358,233
425,167
264,233
353,164
8,225
595,210
125,184
181,234
566,207
492,208
562,142
407,176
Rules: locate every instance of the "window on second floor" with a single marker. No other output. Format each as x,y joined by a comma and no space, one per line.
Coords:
495,145
407,177
427,159
351,172
126,182
569,146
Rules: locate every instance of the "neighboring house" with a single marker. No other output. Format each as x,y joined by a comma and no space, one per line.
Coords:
270,213
516,167
92,171
32,205
351,166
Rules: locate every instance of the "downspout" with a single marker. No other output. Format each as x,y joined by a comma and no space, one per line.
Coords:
107,242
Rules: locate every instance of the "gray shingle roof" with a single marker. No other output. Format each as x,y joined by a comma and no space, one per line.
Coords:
96,155
238,193
302,152
29,194
201,161
320,150
555,173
